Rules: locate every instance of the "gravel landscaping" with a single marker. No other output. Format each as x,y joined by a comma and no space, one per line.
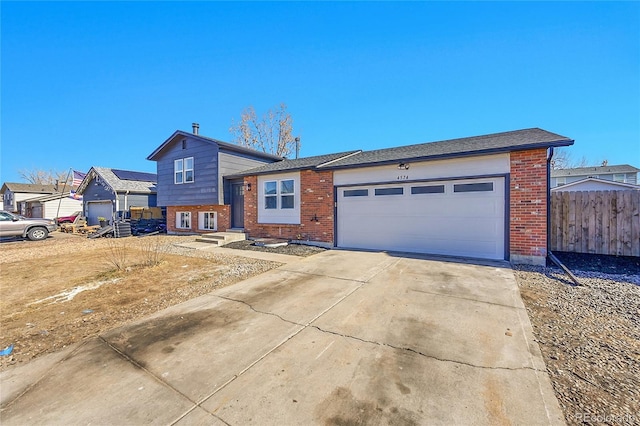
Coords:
291,249
589,335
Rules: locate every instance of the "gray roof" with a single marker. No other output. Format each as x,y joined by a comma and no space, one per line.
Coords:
587,171
225,145
296,164
476,145
117,184
36,188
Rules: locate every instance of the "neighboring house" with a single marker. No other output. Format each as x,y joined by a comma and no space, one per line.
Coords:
480,197
51,206
109,193
595,184
13,193
190,181
623,173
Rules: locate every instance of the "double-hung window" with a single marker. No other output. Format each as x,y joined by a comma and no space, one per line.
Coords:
279,194
207,221
183,170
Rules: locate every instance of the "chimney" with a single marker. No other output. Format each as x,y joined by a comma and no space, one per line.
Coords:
196,128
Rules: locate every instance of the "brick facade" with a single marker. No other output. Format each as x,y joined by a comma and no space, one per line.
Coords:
223,218
528,206
316,210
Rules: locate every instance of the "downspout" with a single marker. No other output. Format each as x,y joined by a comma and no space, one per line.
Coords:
549,157
126,204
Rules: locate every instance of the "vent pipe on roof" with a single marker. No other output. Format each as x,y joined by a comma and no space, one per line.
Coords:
297,146
196,128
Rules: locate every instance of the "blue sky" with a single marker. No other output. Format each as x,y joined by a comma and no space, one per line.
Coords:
104,84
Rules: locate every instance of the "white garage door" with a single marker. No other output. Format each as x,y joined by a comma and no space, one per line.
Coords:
97,209
456,217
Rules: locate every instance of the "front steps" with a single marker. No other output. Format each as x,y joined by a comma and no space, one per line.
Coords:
221,238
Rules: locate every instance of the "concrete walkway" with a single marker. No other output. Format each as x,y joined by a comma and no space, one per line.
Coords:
337,338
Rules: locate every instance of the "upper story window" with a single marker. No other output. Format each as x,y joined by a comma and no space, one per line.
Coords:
561,181
279,194
620,177
183,170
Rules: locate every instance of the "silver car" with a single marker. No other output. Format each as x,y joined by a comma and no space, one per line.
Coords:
12,225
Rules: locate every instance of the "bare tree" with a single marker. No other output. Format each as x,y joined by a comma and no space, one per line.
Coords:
272,133
562,159
44,177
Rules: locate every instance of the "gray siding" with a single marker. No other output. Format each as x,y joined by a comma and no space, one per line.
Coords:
136,200
630,178
231,163
210,163
204,189
96,192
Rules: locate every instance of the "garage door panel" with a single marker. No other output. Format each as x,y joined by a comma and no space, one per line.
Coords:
96,209
453,223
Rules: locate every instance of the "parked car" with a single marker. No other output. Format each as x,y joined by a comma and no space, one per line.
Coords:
12,225
67,219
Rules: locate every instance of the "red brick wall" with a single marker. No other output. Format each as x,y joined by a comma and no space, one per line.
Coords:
528,203
316,202
224,218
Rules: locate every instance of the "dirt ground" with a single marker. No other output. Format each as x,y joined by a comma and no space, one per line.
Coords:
61,290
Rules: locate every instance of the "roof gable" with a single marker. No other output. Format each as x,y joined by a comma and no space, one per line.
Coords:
179,135
575,186
586,171
116,184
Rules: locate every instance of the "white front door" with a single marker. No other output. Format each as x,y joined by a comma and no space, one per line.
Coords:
454,217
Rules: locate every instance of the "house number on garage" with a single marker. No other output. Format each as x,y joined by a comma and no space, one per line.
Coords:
403,177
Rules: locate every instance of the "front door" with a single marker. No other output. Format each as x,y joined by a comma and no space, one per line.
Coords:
237,205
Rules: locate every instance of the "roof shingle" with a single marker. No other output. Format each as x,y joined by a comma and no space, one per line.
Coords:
586,171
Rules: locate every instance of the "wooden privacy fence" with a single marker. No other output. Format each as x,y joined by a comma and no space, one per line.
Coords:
599,222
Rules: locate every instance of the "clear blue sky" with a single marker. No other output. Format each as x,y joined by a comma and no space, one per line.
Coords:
104,84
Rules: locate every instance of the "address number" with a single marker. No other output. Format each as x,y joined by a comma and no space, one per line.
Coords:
403,177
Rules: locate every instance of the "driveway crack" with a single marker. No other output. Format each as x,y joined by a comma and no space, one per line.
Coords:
260,312
400,348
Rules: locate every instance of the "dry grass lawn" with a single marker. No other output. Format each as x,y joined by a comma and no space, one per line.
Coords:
57,292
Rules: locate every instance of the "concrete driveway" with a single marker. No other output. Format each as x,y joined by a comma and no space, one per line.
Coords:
341,337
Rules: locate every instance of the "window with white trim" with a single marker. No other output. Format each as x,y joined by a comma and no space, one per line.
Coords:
279,198
183,220
208,221
279,194
620,177
183,170
561,181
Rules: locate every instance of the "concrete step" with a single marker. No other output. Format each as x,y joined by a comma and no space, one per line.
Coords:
221,238
236,230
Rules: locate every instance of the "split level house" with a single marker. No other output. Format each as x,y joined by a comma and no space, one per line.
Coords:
480,197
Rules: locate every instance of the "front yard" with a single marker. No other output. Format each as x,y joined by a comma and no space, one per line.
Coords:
66,288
